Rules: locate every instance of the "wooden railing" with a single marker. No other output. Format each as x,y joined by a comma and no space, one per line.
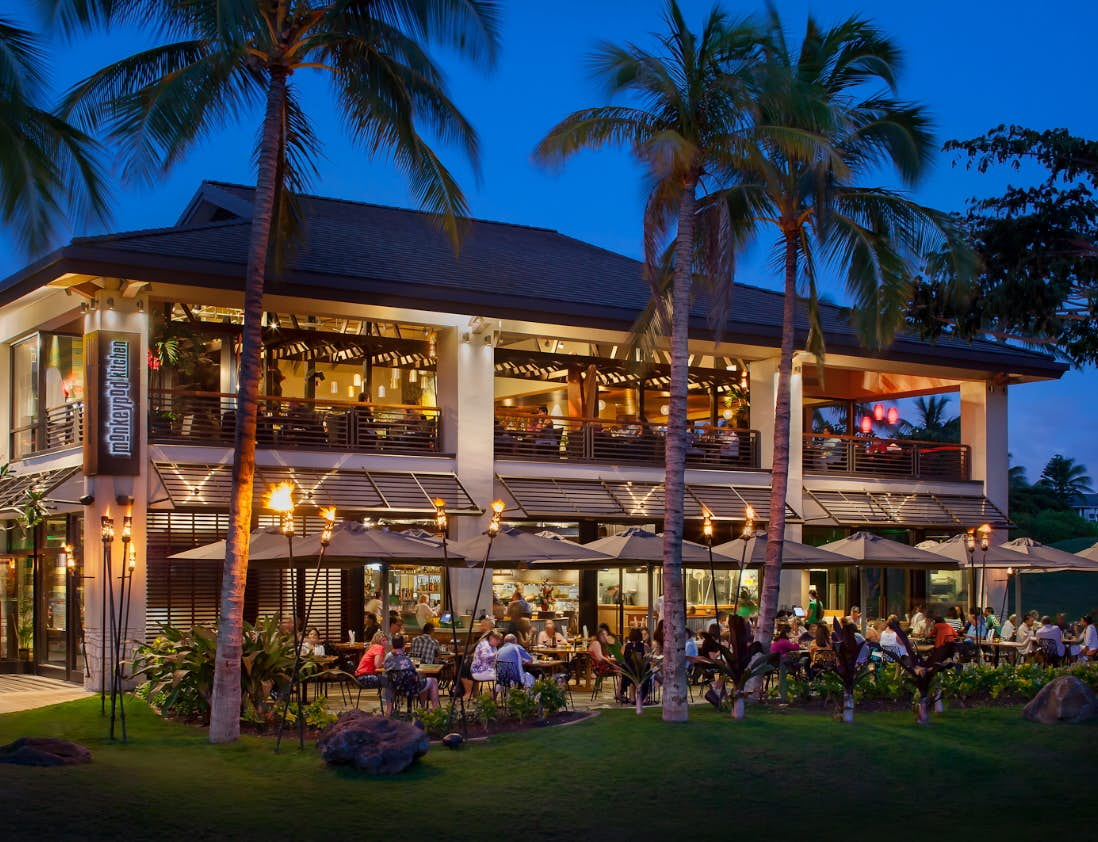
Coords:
887,458
197,418
559,438
55,429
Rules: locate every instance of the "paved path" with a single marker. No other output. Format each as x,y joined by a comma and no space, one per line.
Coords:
23,692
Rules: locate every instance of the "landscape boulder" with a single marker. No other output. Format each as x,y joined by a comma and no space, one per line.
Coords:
44,751
1064,699
375,744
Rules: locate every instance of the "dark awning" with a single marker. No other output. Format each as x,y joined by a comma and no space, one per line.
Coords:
540,497
60,495
868,508
206,486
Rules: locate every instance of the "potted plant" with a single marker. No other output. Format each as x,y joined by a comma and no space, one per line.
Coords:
24,626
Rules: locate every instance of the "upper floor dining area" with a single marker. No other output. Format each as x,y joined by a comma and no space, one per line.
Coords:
357,385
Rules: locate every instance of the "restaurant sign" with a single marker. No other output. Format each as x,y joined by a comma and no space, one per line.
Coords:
111,445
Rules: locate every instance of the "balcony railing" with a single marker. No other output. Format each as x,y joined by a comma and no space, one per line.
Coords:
887,458
55,429
556,438
204,418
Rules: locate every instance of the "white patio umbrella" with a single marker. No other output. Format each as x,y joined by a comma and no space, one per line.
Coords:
1090,553
1048,558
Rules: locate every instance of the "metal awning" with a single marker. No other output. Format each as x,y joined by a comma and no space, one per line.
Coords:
866,508
209,486
61,488
540,497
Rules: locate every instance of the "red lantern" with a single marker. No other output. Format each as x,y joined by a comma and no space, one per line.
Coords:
867,424
893,415
879,412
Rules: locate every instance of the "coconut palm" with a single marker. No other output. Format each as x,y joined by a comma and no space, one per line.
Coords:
48,168
685,105
222,57
934,421
828,125
1065,479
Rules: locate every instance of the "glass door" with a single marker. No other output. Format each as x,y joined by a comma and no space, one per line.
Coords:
53,595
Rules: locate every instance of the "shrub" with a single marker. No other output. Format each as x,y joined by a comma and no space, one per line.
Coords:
485,709
521,705
178,669
435,721
550,696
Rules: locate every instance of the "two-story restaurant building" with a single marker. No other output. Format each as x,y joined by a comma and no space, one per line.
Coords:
396,373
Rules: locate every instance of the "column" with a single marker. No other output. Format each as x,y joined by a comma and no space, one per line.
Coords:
466,377
984,430
116,496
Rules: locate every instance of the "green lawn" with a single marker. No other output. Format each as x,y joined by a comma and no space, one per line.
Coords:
787,774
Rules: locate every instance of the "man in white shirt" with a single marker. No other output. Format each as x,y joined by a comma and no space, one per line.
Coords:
1009,626
1087,650
1025,636
550,636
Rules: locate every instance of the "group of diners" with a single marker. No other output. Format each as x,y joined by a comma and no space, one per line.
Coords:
388,666
501,658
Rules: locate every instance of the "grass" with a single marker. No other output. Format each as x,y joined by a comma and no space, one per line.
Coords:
783,773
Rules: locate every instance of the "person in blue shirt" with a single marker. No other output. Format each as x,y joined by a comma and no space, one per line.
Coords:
510,659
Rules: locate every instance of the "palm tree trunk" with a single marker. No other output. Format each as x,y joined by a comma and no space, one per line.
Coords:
779,476
674,609
225,703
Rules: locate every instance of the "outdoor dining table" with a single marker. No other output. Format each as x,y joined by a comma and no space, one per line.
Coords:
430,670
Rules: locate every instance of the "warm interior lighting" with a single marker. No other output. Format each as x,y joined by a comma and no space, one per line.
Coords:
878,412
867,424
893,415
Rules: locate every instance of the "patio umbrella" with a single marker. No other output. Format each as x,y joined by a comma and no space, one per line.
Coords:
1090,553
357,544
262,539
871,550
512,546
1048,558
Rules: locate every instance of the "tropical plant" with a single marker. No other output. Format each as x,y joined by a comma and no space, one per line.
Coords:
686,103
1037,243
741,661
934,421
638,669
550,696
49,171
521,704
436,721
827,124
180,664
1065,479
485,709
224,56
922,671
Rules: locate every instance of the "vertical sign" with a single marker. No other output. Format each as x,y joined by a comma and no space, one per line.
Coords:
113,384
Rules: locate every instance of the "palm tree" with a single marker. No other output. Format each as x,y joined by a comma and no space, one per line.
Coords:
223,56
48,168
827,123
1066,480
687,105
935,424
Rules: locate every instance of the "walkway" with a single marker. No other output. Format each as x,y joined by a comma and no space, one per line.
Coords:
23,692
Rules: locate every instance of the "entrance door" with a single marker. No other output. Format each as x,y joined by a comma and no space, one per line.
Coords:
58,603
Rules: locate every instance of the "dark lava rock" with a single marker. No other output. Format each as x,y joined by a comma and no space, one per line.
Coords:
1064,699
43,751
454,740
378,745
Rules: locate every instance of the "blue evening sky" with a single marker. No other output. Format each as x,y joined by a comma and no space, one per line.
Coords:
975,64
